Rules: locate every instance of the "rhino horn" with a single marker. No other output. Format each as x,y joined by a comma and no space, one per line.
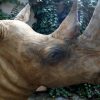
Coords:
69,27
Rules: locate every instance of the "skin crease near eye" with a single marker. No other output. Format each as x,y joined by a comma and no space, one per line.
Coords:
55,55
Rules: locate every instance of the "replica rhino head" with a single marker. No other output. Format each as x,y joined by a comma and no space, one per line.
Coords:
29,59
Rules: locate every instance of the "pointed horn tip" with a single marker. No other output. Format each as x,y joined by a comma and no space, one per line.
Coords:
74,5
28,6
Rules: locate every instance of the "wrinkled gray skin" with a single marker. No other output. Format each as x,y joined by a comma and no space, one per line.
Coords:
29,60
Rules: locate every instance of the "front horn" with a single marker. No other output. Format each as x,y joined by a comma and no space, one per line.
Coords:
69,27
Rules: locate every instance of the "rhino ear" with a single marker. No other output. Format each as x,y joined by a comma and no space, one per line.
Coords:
24,14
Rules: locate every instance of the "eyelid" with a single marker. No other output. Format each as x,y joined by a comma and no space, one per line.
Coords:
54,55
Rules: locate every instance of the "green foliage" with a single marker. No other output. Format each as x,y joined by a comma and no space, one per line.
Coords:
88,90
57,92
47,18
3,1
83,90
12,1
3,15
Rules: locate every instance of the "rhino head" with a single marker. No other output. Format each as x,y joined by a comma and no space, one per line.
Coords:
29,59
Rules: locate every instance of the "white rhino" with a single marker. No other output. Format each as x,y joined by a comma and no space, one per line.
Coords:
29,59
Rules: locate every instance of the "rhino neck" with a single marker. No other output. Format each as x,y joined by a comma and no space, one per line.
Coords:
13,86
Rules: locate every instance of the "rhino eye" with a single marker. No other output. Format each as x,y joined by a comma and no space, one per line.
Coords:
55,55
